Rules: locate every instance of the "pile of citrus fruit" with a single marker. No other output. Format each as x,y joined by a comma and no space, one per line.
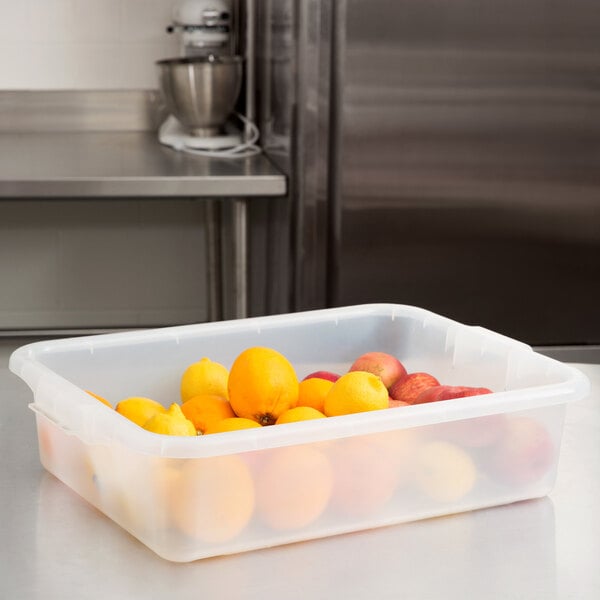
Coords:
260,389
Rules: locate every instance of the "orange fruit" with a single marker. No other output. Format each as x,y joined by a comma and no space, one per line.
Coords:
399,448
214,499
206,410
103,400
170,422
204,377
299,413
312,392
293,487
163,476
366,477
262,385
46,442
354,392
139,409
230,424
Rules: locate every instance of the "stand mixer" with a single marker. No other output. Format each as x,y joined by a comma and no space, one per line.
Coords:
201,86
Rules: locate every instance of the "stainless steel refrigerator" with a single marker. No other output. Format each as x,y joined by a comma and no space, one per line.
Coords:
440,153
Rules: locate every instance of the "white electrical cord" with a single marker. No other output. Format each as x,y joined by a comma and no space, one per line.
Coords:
243,150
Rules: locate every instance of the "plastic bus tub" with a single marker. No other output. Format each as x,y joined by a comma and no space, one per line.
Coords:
196,497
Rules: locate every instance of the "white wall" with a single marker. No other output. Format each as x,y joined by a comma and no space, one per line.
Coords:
83,44
89,263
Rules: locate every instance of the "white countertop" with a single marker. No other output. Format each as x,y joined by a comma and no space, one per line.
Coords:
54,545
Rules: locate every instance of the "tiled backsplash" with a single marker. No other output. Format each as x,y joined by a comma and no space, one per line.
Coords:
83,44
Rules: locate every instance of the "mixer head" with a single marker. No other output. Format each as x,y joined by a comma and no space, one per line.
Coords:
205,26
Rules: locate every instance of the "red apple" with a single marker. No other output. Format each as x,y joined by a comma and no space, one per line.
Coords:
449,392
328,375
409,387
478,432
525,453
387,367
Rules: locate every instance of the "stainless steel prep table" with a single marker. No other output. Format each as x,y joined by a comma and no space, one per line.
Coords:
108,164
56,546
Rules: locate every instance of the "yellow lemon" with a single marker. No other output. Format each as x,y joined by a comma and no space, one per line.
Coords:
139,409
299,413
230,424
444,471
354,392
204,377
103,400
170,422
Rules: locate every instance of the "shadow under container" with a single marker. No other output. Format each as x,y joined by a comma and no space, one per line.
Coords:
188,498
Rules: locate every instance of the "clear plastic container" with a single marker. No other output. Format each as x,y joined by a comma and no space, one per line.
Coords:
195,497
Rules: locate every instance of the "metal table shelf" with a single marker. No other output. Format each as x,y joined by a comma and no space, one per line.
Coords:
134,164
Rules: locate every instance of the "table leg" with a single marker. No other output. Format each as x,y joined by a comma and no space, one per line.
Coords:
214,277
240,257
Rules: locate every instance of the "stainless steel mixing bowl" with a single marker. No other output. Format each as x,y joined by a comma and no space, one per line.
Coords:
201,92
